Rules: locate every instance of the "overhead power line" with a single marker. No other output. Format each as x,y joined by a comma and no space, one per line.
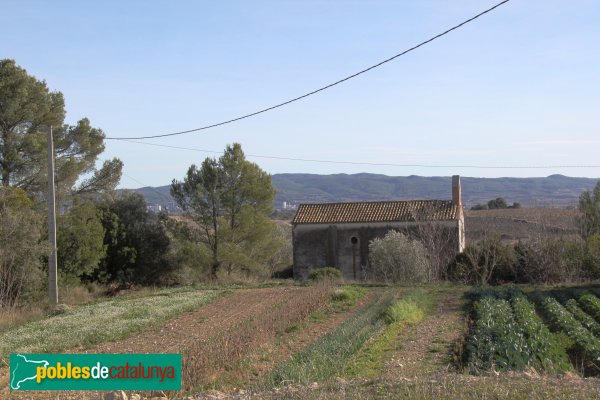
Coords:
322,88
369,163
164,196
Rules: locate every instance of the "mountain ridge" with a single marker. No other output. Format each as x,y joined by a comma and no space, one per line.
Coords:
294,188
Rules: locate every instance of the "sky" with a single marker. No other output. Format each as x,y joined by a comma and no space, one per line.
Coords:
515,88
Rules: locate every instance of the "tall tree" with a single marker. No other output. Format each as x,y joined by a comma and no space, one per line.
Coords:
589,207
27,110
221,196
137,244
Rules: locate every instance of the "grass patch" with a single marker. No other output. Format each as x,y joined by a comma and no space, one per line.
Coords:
408,310
349,295
100,322
329,355
12,318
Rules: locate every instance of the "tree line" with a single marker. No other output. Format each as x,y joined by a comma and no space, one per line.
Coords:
110,238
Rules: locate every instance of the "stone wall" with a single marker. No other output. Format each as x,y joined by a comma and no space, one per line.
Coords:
346,246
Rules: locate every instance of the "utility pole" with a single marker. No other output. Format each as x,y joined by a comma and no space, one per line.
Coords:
52,265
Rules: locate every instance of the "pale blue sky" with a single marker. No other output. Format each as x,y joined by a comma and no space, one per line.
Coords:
517,87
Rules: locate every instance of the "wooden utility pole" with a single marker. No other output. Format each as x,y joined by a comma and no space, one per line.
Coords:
52,264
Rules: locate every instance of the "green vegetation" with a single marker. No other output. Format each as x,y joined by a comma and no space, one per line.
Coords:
399,258
591,304
203,359
137,244
546,351
229,199
325,273
589,207
330,354
584,343
507,334
28,110
498,203
410,309
21,249
112,320
588,322
542,259
348,295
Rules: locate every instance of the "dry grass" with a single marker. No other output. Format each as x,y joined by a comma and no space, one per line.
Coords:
14,317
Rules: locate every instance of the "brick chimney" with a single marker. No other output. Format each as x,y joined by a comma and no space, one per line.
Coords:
456,191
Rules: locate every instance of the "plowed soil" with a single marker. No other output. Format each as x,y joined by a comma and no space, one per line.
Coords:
181,332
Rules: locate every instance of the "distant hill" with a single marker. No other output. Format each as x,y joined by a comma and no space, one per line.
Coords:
552,191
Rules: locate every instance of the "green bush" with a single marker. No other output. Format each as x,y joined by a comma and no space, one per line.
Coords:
325,273
487,262
396,258
550,260
80,240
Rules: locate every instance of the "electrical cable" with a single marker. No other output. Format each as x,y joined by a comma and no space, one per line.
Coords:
320,89
369,163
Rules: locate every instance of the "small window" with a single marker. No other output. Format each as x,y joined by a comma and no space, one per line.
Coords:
354,240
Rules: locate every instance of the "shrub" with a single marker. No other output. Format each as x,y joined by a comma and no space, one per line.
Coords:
137,244
549,260
485,262
80,240
396,258
325,273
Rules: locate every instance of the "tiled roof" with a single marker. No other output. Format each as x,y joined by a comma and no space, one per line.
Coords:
378,211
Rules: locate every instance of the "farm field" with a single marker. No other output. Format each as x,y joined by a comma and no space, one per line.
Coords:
521,223
305,342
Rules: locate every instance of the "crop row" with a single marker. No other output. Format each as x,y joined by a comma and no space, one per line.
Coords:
507,334
329,355
205,358
585,344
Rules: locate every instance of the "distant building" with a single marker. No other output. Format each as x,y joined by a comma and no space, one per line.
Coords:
338,234
156,208
286,205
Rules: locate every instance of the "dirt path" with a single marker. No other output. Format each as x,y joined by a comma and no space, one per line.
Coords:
426,348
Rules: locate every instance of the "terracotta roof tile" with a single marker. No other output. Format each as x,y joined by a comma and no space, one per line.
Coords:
378,211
